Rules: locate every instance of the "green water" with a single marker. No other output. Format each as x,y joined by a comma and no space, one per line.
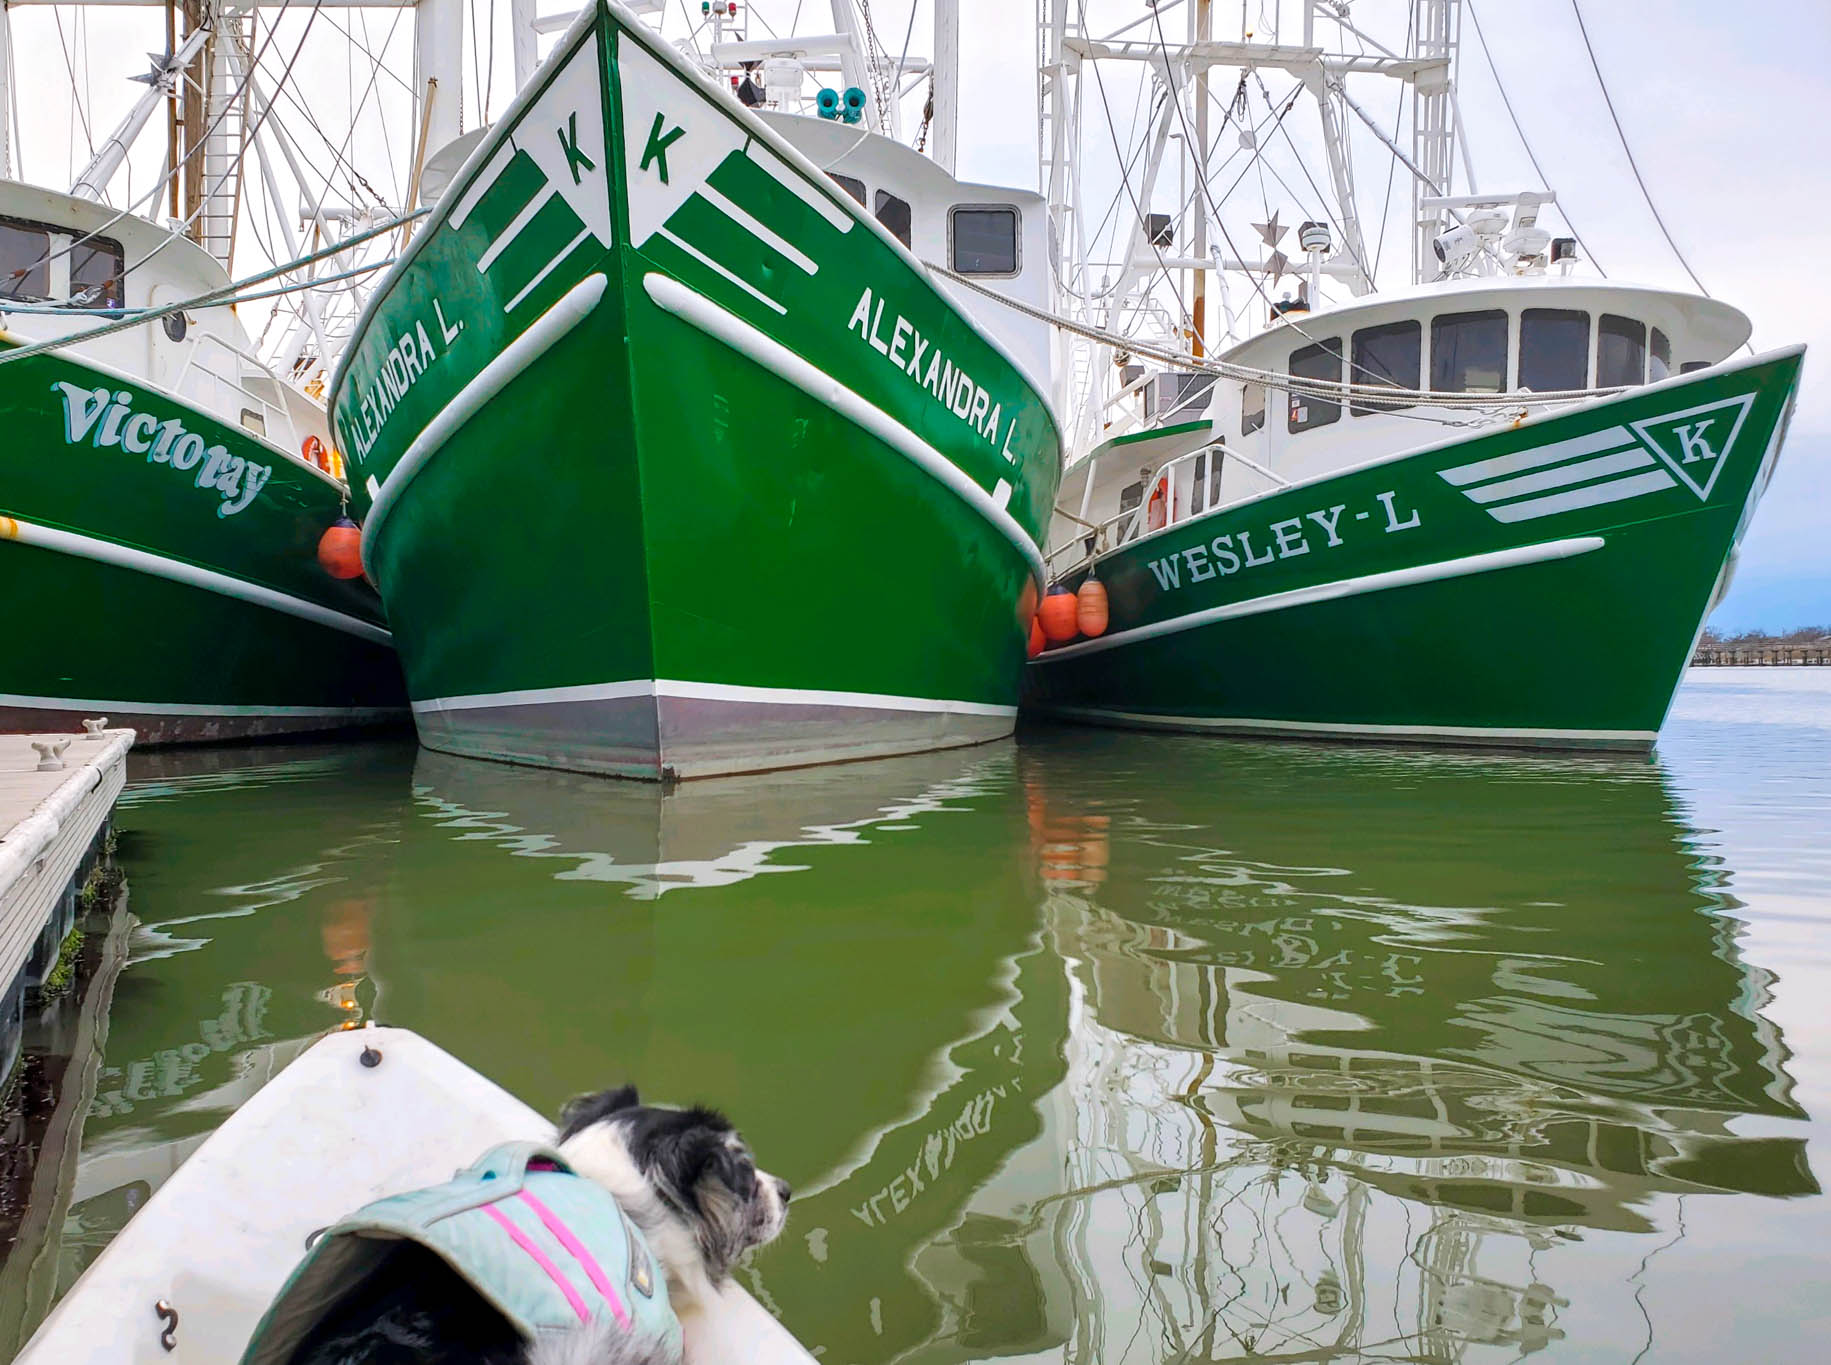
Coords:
1096,1047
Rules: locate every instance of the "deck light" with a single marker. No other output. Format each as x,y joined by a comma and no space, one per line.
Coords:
1456,246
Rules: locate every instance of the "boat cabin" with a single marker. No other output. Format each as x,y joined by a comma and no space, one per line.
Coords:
61,251
1232,440
994,235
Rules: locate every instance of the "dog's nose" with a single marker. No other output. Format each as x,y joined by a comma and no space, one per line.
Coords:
783,1189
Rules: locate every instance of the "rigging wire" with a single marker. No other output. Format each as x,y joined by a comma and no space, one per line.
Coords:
212,298
171,171
1392,163
1633,165
1532,156
1113,133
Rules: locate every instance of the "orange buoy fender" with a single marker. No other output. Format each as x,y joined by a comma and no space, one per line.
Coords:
340,549
1026,601
1038,641
1058,615
315,454
1090,612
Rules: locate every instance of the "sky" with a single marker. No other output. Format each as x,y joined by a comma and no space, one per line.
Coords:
1727,109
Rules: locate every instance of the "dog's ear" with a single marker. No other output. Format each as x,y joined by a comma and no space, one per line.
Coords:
708,1154
581,1111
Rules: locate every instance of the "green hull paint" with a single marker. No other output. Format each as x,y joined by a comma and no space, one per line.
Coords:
178,662
1494,614
644,548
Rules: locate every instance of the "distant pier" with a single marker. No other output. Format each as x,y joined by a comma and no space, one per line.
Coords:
57,793
1763,654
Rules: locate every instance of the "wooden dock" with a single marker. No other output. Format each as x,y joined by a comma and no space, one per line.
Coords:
56,795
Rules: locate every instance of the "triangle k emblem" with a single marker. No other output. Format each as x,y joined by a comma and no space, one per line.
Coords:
1696,443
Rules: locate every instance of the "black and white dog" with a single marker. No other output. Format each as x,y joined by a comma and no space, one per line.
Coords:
684,1177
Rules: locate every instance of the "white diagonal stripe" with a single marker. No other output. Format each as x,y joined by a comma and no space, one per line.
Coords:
785,176
545,271
1558,451
704,259
1581,472
768,237
513,230
1616,490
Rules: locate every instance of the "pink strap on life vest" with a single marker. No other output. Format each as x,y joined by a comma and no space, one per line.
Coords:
541,1259
593,1271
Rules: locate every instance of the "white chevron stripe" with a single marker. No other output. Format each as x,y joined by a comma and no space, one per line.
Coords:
768,237
1556,453
546,270
507,236
706,260
785,176
1616,490
1581,472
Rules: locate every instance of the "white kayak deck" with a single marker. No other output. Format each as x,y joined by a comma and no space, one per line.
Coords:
323,1138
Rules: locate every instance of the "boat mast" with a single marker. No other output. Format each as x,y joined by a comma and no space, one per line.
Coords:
161,83
944,133
438,72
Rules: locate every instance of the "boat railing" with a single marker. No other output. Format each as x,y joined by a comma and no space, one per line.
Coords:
236,386
1205,487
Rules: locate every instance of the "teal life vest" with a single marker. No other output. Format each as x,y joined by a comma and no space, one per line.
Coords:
548,1250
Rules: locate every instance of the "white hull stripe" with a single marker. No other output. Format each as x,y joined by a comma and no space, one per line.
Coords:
119,708
698,691
1328,592
1614,438
1564,475
767,235
719,268
573,307
773,356
1615,490
1479,734
190,575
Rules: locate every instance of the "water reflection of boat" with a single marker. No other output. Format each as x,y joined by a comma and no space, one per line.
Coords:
880,1023
1314,1111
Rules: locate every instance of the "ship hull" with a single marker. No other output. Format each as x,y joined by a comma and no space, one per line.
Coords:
1537,586
647,505
171,583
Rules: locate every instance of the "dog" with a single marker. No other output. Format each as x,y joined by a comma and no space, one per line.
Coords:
684,1177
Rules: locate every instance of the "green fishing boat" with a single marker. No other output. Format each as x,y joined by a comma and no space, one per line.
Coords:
643,419
159,525
1493,505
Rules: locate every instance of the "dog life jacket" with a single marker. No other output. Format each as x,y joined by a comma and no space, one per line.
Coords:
547,1249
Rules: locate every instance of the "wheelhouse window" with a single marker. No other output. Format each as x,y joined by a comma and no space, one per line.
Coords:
27,250
855,188
894,214
25,253
1392,355
1621,352
1659,359
1553,349
1321,361
96,266
1468,352
1252,408
983,241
